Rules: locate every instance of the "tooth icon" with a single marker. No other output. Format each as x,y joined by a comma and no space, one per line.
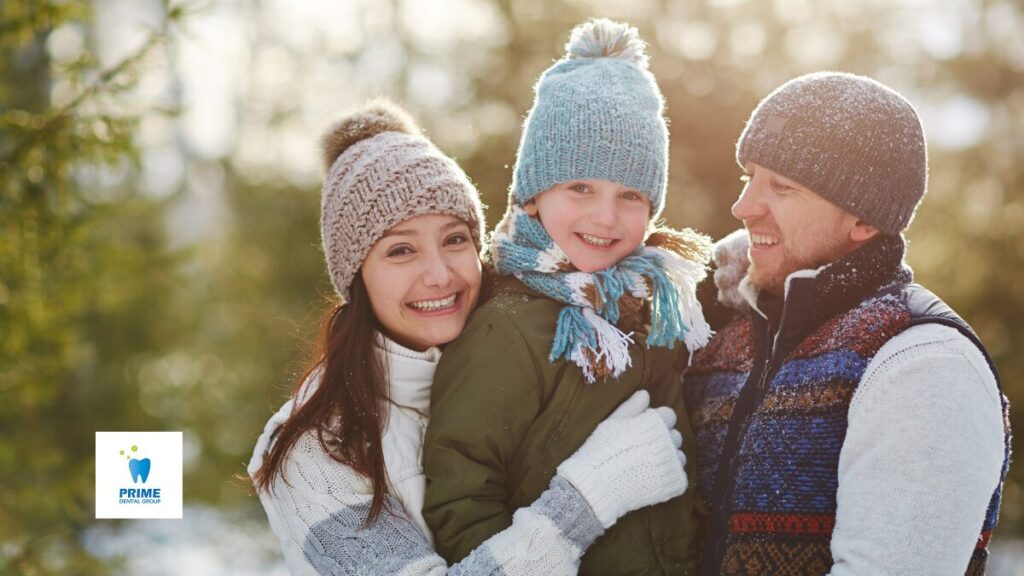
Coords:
139,468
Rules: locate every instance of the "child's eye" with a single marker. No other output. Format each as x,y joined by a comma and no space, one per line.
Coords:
398,251
456,239
579,188
632,195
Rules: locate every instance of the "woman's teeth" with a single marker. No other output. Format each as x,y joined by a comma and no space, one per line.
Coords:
432,305
595,240
765,240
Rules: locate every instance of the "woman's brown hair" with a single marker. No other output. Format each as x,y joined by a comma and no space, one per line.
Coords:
346,410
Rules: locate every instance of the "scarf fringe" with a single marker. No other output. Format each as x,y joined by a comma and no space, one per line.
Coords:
666,270
597,346
686,274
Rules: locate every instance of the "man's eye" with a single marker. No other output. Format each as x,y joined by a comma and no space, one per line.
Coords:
780,187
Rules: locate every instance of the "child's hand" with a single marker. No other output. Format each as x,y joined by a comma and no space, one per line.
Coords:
631,460
731,263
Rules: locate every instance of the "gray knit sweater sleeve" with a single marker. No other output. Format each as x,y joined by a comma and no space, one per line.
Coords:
318,508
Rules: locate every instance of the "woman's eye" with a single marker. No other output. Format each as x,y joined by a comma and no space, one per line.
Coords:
456,239
399,251
579,188
631,195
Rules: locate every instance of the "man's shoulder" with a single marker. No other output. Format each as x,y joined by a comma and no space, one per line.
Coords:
930,339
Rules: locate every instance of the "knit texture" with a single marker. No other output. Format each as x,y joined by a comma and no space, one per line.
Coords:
771,422
927,418
850,139
381,172
629,461
731,264
666,274
317,507
598,114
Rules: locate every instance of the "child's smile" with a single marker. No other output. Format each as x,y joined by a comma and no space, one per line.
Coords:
596,223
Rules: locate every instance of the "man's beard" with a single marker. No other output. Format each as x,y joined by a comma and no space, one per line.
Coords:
773,280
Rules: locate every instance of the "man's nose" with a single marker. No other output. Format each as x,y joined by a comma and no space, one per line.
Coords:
750,205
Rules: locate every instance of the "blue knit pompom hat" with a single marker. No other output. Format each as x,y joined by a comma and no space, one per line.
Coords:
598,115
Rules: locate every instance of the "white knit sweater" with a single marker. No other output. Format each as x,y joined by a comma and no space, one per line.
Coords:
922,456
318,506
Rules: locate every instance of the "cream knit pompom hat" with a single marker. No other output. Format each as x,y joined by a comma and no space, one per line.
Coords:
382,171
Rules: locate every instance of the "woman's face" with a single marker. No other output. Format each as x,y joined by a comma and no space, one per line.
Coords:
423,278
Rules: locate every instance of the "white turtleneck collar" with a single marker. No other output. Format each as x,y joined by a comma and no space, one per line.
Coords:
410,373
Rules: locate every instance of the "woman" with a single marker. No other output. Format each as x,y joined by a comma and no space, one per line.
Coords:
338,468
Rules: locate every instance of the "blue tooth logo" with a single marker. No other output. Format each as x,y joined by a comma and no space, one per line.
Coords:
139,468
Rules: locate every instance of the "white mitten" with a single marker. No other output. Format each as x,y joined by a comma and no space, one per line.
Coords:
631,460
731,264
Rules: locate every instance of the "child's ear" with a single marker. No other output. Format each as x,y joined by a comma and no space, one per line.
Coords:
530,207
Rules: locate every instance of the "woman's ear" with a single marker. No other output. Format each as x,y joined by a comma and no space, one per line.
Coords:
530,207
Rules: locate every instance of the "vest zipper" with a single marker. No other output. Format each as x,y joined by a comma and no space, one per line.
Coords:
724,503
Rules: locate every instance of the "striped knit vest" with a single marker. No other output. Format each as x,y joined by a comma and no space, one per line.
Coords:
770,413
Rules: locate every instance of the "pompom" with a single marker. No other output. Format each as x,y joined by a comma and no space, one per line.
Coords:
603,38
380,115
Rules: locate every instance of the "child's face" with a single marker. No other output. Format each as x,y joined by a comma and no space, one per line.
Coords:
595,222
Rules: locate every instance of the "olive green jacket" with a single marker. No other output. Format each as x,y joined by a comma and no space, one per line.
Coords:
503,418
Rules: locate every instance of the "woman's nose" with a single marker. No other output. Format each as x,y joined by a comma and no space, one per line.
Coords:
436,270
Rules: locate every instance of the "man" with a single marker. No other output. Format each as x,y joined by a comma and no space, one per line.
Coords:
849,422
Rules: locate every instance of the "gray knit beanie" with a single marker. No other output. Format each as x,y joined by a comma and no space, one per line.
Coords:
850,139
380,172
598,114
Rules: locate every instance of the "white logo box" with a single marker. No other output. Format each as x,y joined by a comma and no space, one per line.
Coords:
138,474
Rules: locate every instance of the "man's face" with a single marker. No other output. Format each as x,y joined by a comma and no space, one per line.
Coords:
790,227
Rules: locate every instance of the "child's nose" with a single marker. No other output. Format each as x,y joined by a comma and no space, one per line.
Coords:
604,213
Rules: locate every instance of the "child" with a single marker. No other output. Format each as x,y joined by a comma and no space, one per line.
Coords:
585,313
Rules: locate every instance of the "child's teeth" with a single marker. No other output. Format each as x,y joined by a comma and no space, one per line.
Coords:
429,305
595,240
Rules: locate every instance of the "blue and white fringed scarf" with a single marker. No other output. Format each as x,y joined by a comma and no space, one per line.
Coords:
664,271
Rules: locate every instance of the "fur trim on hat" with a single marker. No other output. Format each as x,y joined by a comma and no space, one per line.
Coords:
603,38
380,115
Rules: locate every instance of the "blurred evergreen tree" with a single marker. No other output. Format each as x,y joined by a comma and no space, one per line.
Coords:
86,279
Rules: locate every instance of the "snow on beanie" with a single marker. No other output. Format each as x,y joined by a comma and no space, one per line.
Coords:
848,138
